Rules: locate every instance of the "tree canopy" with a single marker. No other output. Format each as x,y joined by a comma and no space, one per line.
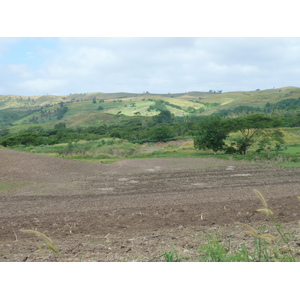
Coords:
213,131
255,128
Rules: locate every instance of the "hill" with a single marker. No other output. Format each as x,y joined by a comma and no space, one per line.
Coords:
18,112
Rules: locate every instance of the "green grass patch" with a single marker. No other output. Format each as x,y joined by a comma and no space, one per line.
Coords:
290,164
6,185
168,154
104,149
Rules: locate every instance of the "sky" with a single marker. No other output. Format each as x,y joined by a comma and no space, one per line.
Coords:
132,46
63,65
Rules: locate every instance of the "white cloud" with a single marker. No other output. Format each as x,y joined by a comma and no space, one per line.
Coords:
161,65
41,86
21,71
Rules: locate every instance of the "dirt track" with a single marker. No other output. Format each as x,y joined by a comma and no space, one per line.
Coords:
133,209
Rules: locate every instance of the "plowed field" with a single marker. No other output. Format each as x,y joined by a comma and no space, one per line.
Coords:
133,210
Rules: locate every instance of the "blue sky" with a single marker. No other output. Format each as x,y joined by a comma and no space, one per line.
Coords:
60,66
163,47
33,66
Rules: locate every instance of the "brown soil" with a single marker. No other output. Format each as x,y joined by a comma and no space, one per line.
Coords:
133,210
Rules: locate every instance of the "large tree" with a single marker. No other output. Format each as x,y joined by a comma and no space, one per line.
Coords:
254,129
211,133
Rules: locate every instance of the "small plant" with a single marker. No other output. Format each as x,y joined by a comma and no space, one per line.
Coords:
172,256
45,239
169,256
267,245
216,251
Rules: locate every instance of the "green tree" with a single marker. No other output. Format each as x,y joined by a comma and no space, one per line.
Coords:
256,128
4,132
161,133
61,111
60,126
211,133
24,138
164,116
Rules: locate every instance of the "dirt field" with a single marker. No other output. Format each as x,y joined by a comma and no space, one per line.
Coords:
133,210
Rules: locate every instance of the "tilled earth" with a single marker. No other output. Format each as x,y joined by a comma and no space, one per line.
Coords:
134,210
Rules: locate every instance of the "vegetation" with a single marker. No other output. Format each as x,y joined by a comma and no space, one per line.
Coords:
254,123
47,242
213,131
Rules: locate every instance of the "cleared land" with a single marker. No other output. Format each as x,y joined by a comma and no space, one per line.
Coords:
134,209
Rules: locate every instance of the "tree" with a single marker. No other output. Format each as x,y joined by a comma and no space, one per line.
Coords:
22,138
61,111
212,133
60,126
4,132
165,116
191,110
255,128
161,133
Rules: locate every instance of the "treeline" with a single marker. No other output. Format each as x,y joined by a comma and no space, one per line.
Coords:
56,114
137,129
8,116
140,129
161,105
288,110
287,104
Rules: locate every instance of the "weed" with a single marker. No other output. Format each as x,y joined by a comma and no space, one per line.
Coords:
45,239
214,250
172,256
267,243
169,256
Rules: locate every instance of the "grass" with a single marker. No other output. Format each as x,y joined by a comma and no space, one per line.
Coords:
47,242
169,256
6,185
290,164
109,150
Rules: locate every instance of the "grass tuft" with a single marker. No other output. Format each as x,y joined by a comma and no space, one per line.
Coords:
45,239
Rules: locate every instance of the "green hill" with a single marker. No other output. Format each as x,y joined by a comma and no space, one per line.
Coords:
17,112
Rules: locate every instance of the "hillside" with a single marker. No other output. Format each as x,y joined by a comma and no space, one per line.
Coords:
18,112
